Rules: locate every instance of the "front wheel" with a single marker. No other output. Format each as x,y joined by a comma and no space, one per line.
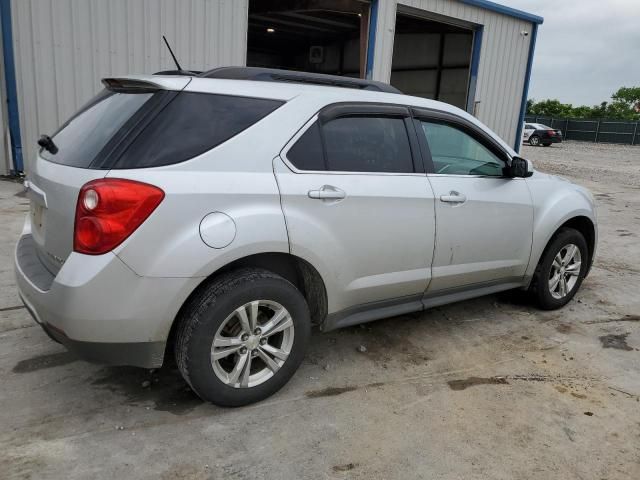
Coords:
534,140
561,269
242,337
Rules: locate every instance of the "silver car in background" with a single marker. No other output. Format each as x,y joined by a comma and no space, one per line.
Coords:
220,218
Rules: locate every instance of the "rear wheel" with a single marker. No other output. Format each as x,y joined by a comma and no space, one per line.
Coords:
534,140
242,337
561,269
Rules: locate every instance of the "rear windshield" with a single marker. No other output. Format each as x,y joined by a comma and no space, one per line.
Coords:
81,139
137,130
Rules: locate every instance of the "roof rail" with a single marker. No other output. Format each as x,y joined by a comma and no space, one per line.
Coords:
276,75
188,73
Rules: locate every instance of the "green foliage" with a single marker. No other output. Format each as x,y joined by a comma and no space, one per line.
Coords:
624,105
629,96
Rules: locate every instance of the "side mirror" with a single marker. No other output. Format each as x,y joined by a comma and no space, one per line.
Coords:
519,168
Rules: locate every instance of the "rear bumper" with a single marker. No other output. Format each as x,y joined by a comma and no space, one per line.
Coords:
142,354
99,308
554,139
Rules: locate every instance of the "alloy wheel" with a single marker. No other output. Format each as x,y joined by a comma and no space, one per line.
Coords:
252,344
565,271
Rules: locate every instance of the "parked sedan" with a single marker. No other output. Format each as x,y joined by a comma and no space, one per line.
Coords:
538,134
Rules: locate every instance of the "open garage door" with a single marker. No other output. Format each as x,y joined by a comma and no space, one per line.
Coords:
432,59
322,36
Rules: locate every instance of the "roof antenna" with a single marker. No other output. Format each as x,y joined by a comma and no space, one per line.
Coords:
175,60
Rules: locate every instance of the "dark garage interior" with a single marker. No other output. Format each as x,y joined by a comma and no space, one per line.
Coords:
431,59
324,36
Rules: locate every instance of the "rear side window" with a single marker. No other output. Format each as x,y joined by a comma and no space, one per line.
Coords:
368,144
355,144
307,153
81,139
192,124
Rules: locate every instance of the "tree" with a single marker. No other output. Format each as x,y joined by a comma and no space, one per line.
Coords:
530,103
629,96
551,108
625,105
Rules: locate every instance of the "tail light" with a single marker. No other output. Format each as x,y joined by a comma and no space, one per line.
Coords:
109,210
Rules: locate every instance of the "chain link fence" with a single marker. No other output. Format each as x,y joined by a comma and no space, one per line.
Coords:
596,130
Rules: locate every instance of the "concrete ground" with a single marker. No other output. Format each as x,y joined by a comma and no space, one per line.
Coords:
488,388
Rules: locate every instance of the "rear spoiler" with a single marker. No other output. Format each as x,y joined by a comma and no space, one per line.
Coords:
145,85
130,85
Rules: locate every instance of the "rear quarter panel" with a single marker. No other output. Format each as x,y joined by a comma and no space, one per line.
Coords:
235,178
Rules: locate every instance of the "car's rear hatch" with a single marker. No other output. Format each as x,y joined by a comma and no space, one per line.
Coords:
54,179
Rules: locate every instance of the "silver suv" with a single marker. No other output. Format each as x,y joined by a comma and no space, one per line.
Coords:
221,218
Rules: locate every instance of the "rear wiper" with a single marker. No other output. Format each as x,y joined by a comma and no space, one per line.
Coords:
46,142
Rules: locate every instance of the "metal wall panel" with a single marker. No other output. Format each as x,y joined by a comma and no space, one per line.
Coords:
503,58
64,47
4,125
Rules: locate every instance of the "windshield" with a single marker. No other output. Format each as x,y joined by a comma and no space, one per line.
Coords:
82,138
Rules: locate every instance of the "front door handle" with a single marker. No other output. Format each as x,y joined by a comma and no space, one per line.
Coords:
453,197
327,192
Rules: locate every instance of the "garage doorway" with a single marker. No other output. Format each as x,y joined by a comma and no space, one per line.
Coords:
321,36
432,59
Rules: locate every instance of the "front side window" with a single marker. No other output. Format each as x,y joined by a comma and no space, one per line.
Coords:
455,152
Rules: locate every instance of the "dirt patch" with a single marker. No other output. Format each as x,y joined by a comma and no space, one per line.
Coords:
616,267
8,309
166,388
626,318
383,347
531,378
329,392
334,391
618,342
578,395
473,381
344,468
564,328
44,361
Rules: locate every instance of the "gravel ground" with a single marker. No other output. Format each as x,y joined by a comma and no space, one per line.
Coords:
488,388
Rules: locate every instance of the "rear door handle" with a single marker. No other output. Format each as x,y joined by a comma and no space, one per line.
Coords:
453,197
327,192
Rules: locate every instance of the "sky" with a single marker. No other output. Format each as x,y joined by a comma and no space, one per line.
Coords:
586,49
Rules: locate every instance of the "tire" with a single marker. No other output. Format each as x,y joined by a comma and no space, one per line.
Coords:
534,140
214,312
546,144
546,272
